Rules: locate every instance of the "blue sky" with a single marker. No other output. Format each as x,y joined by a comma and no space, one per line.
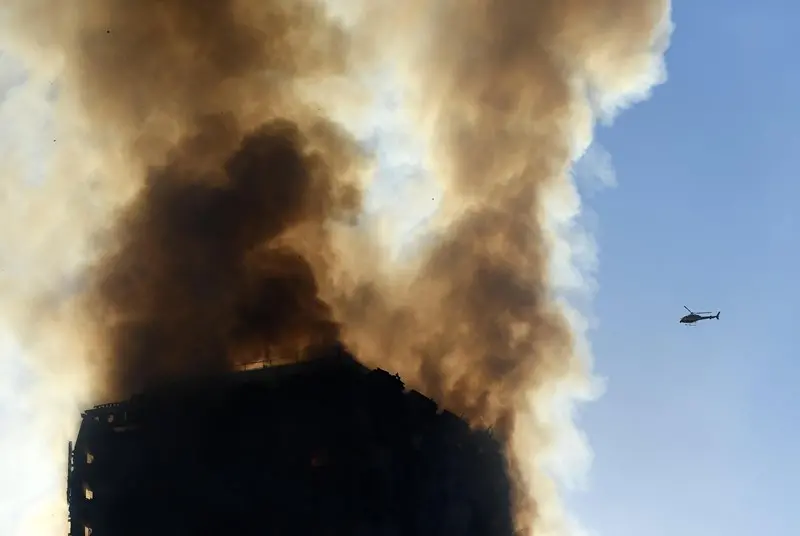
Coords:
697,432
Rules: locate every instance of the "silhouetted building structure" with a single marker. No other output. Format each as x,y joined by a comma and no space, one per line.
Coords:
324,447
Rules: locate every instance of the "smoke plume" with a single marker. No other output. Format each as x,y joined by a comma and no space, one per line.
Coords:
198,272
514,87
203,211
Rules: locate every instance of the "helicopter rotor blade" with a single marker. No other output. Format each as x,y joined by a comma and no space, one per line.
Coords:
687,308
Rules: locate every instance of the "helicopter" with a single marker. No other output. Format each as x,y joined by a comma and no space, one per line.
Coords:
693,317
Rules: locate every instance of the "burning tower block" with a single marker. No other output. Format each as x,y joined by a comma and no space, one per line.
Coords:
326,446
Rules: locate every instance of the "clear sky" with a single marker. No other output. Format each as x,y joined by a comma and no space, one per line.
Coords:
698,432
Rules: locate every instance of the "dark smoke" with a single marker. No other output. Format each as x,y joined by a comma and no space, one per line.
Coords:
202,277
199,280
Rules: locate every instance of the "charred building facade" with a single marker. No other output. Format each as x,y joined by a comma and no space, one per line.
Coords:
322,447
